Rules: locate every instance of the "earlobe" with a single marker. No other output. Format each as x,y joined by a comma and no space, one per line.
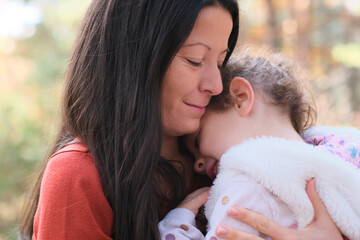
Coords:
243,95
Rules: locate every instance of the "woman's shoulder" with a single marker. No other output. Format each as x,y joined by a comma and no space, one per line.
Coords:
72,165
73,150
72,202
72,172
73,157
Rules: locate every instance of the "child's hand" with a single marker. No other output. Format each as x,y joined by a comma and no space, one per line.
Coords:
195,200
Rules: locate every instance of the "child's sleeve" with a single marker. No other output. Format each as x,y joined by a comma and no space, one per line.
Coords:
179,224
327,130
246,193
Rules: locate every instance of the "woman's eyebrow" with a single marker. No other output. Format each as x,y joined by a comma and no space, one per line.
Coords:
203,44
197,43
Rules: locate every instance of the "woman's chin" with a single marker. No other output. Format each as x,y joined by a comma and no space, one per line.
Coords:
187,127
192,128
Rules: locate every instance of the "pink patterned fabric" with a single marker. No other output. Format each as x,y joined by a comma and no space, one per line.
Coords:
342,145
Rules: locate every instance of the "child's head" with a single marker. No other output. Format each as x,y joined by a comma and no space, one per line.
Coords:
261,90
274,76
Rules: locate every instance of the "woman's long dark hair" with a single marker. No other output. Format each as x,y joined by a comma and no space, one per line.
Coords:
112,102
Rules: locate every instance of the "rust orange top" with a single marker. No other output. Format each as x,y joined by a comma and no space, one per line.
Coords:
72,203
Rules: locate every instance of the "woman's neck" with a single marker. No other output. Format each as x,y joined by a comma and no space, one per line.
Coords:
182,163
170,148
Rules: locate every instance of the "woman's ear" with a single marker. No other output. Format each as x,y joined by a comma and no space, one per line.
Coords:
243,94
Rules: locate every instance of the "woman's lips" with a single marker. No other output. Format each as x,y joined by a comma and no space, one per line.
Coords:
197,108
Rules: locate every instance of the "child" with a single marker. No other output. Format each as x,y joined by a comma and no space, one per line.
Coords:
254,127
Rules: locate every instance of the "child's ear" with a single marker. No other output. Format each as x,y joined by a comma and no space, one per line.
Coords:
243,95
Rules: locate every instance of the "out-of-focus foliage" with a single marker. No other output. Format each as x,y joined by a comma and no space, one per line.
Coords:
348,54
322,35
31,72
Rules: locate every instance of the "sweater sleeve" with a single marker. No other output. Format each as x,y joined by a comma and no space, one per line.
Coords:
179,224
72,204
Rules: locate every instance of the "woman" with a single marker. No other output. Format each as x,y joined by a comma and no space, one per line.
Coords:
140,76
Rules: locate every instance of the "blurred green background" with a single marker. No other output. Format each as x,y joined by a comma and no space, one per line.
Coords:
36,38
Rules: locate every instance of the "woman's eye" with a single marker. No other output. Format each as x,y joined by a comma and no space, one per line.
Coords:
195,64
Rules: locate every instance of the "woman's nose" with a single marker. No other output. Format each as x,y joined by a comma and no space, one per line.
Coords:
199,166
212,82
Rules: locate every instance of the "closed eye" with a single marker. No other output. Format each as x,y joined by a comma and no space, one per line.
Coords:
195,64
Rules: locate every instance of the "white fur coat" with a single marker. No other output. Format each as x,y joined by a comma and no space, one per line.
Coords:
283,167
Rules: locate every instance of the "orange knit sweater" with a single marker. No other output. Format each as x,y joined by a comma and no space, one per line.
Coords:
72,204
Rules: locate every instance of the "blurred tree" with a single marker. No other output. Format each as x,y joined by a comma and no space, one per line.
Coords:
324,37
31,71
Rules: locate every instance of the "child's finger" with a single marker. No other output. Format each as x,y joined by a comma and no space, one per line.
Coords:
195,200
199,191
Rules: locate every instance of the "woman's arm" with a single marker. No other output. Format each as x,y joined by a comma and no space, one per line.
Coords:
322,226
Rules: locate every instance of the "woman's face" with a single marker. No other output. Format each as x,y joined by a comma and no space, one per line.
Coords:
193,75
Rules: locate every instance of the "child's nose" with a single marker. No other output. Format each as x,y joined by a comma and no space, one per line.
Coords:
199,165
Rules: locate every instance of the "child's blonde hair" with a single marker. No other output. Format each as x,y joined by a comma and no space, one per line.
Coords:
277,77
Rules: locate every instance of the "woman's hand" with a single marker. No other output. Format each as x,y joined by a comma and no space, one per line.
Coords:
195,200
321,227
